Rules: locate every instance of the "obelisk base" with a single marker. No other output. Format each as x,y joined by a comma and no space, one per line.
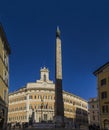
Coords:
59,122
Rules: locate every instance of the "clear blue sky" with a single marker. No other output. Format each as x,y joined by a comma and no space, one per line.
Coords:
30,26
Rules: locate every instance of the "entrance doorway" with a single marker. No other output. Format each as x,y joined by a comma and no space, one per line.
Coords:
106,123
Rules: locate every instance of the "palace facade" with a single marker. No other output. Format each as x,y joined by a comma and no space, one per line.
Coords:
4,77
93,111
102,75
37,101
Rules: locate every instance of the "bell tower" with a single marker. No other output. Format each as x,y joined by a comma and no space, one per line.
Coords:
44,74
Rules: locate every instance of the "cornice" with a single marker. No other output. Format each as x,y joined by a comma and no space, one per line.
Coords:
49,89
3,36
100,69
30,89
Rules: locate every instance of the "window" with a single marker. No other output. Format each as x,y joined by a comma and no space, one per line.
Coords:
45,97
5,77
30,97
30,107
6,60
105,109
39,97
50,97
44,77
97,105
45,117
25,98
39,106
45,106
50,107
92,106
103,82
5,95
35,106
24,107
70,101
93,117
104,95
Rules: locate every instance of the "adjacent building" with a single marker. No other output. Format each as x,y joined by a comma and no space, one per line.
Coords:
102,75
36,100
4,77
93,111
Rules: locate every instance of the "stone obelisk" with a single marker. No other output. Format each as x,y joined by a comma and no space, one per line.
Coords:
59,105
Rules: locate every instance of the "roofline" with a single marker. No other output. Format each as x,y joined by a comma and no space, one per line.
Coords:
100,68
4,38
71,94
24,89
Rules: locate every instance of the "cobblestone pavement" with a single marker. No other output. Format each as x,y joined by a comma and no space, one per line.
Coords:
45,129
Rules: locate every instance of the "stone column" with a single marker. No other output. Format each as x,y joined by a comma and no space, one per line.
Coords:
59,105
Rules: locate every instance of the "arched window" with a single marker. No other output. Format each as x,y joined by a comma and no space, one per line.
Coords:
106,123
44,77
